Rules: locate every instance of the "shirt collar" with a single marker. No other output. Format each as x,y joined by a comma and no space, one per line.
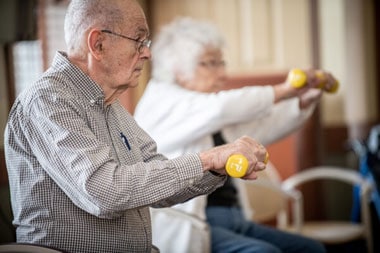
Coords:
89,88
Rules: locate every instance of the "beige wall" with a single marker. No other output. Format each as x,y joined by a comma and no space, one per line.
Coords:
347,49
262,35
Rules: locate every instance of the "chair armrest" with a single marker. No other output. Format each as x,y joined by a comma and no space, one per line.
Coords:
346,175
279,211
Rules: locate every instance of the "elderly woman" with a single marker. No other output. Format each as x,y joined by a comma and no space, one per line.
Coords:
185,109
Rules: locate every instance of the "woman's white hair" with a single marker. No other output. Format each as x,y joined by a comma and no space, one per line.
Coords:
177,48
82,15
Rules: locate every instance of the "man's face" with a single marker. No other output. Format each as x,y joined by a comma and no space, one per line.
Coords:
210,74
126,56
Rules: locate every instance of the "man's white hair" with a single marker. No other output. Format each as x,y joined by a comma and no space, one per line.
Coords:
177,48
82,15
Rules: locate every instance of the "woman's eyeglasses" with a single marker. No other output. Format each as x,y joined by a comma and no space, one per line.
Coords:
212,64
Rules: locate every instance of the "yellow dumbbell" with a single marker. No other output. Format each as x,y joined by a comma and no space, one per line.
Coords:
237,165
298,79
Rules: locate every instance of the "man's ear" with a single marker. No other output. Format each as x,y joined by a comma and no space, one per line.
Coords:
95,43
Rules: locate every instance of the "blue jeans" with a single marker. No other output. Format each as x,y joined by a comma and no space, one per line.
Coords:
231,232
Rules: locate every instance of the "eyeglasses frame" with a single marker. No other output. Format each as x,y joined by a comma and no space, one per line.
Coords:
142,43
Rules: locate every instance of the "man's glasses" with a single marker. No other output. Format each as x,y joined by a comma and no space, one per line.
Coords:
140,43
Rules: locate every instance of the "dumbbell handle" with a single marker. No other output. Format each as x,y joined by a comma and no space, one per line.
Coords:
298,79
237,165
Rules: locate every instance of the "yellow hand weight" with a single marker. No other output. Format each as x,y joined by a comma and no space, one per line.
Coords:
266,158
334,88
298,79
237,165
322,78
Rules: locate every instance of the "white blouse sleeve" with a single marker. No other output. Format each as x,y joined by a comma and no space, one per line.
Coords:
284,118
176,117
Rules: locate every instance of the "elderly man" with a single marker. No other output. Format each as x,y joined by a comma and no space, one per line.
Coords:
82,173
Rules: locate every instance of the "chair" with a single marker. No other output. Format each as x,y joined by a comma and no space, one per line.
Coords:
263,200
333,232
327,232
27,248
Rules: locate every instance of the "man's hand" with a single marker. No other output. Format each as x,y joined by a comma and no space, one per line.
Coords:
216,158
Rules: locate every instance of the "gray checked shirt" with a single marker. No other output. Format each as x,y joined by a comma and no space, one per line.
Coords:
82,174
